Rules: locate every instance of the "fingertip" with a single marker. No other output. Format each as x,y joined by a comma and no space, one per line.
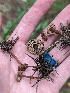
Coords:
43,5
68,6
0,20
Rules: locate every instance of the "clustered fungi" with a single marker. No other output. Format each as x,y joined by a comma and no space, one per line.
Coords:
7,45
34,46
51,30
65,38
43,67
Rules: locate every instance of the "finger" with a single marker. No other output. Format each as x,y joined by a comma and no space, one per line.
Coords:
62,17
31,18
4,73
59,55
59,80
4,69
0,20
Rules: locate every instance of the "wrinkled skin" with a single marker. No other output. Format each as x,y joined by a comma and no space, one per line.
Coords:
8,69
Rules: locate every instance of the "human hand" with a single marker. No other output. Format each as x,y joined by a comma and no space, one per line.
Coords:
24,29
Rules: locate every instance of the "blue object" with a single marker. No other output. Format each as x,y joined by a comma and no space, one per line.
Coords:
50,60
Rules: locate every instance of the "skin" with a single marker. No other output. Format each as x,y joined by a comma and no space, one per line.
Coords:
8,69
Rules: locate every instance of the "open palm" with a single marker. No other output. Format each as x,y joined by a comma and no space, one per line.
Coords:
8,69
